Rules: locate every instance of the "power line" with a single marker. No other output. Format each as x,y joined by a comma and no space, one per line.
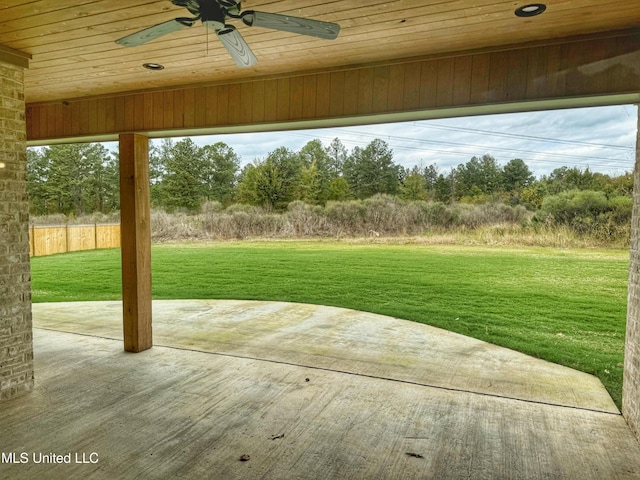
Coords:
521,135
530,152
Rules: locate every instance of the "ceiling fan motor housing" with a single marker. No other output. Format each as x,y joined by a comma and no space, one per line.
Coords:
213,14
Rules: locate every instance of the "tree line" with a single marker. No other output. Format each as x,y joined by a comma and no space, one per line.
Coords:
83,178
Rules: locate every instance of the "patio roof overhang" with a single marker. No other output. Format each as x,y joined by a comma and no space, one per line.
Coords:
404,60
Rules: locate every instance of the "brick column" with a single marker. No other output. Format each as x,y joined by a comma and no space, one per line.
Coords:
16,349
631,386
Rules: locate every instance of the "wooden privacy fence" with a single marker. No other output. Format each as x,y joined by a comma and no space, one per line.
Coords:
48,240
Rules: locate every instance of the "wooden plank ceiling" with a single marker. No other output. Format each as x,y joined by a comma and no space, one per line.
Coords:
74,54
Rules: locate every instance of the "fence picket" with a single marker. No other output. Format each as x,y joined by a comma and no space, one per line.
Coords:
49,240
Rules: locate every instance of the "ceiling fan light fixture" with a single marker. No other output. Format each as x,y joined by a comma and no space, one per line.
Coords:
214,24
153,66
530,10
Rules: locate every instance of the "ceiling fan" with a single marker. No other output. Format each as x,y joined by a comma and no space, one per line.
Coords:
214,13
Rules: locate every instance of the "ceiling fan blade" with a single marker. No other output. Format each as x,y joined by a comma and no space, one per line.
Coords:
192,5
236,46
303,26
151,33
232,6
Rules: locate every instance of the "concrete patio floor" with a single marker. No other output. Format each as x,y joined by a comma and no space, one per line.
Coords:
306,392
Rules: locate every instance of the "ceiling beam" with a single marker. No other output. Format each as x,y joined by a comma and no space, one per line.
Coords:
14,57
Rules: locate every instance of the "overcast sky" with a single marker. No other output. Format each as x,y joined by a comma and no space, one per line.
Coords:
601,138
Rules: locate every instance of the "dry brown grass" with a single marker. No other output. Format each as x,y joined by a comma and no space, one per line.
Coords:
503,235
379,219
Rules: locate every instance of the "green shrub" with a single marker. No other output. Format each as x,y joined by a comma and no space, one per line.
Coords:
621,209
589,212
572,204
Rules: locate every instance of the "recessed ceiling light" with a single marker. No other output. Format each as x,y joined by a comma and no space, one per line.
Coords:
153,66
531,10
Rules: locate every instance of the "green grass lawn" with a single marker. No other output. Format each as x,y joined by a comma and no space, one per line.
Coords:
567,307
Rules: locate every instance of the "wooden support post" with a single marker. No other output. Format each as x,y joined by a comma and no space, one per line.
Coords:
135,238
